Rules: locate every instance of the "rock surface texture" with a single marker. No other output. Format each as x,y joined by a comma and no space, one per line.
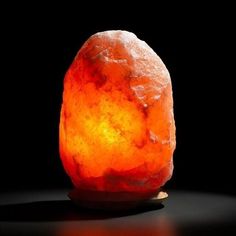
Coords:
117,130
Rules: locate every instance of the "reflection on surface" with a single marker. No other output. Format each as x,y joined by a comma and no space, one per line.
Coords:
158,227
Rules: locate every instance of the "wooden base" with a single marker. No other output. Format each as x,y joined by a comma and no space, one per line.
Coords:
114,201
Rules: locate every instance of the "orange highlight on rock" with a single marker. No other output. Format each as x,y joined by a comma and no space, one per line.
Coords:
117,130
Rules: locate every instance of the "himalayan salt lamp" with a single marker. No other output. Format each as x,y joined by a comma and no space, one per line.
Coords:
117,130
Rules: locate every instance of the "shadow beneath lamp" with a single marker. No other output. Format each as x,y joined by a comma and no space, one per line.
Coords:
63,210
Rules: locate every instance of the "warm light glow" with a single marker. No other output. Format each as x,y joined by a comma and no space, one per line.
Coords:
117,128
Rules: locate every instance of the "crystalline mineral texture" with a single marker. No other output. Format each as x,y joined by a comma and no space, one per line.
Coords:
117,130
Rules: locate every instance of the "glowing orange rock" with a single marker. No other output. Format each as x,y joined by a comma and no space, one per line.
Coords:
117,131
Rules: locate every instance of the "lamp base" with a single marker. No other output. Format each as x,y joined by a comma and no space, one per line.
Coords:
114,201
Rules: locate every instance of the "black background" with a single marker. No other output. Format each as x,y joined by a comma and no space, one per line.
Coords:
196,44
